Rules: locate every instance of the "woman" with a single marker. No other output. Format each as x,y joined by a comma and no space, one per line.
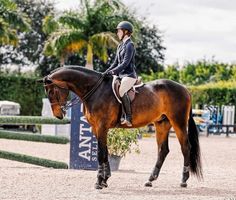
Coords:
124,67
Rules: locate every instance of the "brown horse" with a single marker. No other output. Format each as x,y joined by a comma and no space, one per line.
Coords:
164,103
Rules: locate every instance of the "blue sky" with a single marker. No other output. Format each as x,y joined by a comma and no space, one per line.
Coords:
191,29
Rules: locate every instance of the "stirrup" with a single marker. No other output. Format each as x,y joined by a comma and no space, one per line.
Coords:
122,120
123,116
128,123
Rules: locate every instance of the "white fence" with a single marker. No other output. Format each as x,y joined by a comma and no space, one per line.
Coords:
228,116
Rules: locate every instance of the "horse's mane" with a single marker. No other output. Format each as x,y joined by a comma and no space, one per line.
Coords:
74,67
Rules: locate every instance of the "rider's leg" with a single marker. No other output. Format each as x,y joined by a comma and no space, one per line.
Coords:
126,84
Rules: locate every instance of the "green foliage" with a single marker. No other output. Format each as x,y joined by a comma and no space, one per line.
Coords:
33,160
94,43
198,73
31,120
50,24
149,49
85,30
25,91
11,22
210,82
35,138
120,141
221,93
30,45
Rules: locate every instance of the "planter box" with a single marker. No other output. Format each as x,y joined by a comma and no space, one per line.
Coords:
114,162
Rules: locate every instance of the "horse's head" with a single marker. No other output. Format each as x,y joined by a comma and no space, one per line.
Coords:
57,93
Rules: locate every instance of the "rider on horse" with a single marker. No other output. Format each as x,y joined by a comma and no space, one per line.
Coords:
124,67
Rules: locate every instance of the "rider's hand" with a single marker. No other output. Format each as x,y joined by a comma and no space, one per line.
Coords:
107,73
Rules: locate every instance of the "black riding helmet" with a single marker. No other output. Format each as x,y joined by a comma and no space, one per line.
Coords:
126,26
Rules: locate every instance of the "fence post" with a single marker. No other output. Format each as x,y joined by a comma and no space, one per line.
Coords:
208,130
228,117
227,130
83,144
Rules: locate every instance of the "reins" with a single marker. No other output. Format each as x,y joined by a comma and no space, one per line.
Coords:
75,100
93,89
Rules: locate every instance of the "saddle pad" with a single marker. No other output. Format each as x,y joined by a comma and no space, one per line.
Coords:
114,91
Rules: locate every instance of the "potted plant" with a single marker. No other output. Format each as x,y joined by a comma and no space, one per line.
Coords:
121,141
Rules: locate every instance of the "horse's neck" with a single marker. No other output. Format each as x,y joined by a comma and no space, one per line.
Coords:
79,82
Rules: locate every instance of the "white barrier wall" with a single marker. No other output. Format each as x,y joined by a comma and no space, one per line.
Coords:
54,130
228,116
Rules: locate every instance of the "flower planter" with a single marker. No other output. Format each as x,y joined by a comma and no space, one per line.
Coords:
114,162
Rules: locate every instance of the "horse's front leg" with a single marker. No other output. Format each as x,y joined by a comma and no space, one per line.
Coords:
104,171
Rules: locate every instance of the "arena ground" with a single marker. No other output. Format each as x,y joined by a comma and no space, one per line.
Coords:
19,181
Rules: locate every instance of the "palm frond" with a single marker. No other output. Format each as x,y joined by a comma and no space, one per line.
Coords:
11,21
17,20
7,35
72,21
64,40
115,4
7,4
101,42
106,39
50,25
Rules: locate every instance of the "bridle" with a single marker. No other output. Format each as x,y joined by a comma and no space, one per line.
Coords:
65,105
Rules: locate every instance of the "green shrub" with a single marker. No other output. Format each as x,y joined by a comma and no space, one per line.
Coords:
221,93
35,138
33,160
23,90
120,141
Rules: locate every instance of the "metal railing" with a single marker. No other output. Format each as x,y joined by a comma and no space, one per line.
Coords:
218,129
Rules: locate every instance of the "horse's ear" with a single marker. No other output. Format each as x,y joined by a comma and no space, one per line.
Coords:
39,81
47,80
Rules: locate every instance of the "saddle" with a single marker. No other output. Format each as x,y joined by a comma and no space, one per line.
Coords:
131,93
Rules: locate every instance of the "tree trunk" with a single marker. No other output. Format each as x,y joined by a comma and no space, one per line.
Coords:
89,57
62,60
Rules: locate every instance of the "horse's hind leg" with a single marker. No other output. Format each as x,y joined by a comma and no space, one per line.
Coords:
162,130
181,132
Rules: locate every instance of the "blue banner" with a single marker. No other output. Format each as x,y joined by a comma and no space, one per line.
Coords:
83,144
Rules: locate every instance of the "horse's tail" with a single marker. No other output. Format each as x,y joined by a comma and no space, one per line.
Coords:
195,154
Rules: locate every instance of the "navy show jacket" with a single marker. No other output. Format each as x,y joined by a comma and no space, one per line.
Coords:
124,63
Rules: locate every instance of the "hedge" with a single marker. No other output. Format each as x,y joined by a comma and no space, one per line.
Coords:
33,160
31,120
25,91
222,93
29,93
35,138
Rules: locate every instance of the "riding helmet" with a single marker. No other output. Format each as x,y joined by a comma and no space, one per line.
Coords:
125,25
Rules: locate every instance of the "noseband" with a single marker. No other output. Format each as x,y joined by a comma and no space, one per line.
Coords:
64,105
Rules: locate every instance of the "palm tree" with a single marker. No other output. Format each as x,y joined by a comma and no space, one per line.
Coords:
84,31
11,22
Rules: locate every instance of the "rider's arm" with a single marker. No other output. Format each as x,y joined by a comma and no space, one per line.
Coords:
114,64
127,58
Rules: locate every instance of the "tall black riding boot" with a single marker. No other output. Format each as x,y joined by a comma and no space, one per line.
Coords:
127,107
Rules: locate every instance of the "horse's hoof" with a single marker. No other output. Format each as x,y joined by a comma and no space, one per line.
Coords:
183,184
98,186
148,184
104,184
